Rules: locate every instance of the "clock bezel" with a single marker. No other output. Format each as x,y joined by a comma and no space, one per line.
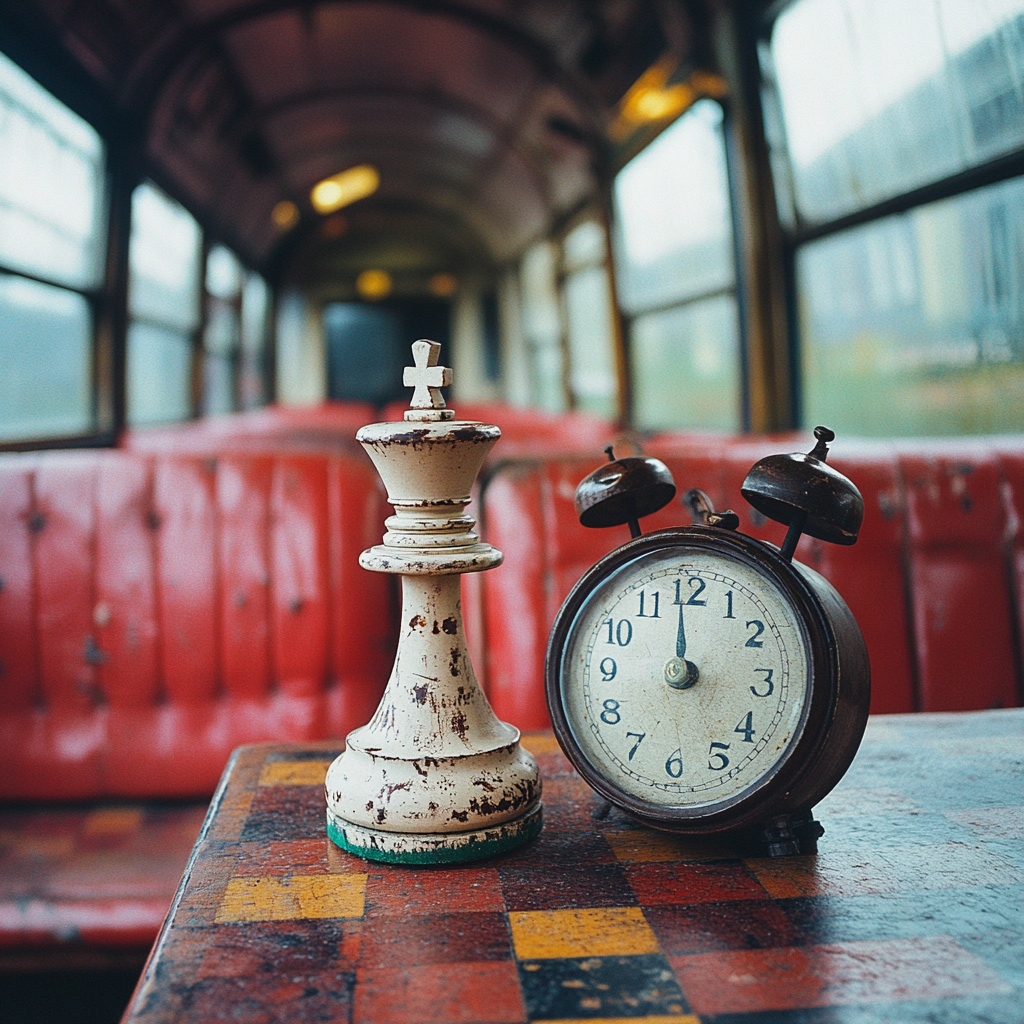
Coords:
832,720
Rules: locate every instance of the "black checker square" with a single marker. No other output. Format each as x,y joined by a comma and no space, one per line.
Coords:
600,986
280,813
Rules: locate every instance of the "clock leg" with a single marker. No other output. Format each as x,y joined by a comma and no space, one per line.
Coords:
788,835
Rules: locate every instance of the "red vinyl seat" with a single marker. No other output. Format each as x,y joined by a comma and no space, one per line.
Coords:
156,611
159,611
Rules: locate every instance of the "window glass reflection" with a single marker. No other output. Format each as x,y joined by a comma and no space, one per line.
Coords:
685,367
46,355
915,324
673,236
878,97
51,185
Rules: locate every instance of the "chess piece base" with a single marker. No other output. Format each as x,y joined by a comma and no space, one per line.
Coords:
435,848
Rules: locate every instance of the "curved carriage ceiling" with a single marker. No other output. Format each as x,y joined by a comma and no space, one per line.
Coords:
486,118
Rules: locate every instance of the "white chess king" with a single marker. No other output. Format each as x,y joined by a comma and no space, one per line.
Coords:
434,777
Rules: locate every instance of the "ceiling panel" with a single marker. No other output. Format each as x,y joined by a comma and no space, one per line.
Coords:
486,114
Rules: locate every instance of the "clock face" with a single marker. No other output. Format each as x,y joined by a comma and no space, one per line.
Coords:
685,677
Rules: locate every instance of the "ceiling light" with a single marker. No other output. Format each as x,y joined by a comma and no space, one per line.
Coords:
443,285
285,215
652,98
341,189
374,284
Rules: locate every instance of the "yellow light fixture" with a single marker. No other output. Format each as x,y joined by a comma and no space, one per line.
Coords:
443,285
374,284
651,98
344,188
285,215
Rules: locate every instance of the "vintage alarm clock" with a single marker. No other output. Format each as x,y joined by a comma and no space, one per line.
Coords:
701,680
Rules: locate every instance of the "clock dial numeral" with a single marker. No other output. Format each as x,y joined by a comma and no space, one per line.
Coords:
698,586
629,713
639,736
724,761
746,726
622,634
752,640
768,673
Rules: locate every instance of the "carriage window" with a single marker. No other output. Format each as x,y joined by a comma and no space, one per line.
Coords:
164,307
51,185
542,332
675,277
252,374
879,98
910,323
51,207
915,324
588,315
222,333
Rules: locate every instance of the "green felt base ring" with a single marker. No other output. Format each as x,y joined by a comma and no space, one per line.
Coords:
436,847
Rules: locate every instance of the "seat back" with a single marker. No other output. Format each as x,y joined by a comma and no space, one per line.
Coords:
158,611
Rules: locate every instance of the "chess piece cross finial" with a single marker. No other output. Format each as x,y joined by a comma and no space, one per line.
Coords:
426,377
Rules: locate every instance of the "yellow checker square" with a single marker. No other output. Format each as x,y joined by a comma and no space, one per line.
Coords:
636,846
301,897
610,931
294,773
538,743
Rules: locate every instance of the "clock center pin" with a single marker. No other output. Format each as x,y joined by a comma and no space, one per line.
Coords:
434,777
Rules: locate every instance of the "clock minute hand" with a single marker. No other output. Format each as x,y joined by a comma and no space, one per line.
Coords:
680,674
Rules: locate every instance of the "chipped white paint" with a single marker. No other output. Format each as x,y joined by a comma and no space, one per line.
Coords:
434,775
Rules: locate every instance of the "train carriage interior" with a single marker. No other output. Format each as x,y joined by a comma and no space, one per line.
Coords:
687,229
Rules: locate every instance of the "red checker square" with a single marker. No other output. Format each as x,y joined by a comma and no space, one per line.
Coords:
432,892
568,805
792,978
435,939
269,999
684,884
465,993
735,924
281,948
300,857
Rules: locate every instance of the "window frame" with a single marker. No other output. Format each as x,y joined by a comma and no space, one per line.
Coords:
794,235
626,320
69,89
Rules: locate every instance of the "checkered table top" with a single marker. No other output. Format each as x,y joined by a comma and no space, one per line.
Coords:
912,911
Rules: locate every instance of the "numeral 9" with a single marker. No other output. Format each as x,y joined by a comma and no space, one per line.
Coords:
608,669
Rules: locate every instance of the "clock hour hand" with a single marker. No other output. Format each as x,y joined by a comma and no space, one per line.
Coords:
680,674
